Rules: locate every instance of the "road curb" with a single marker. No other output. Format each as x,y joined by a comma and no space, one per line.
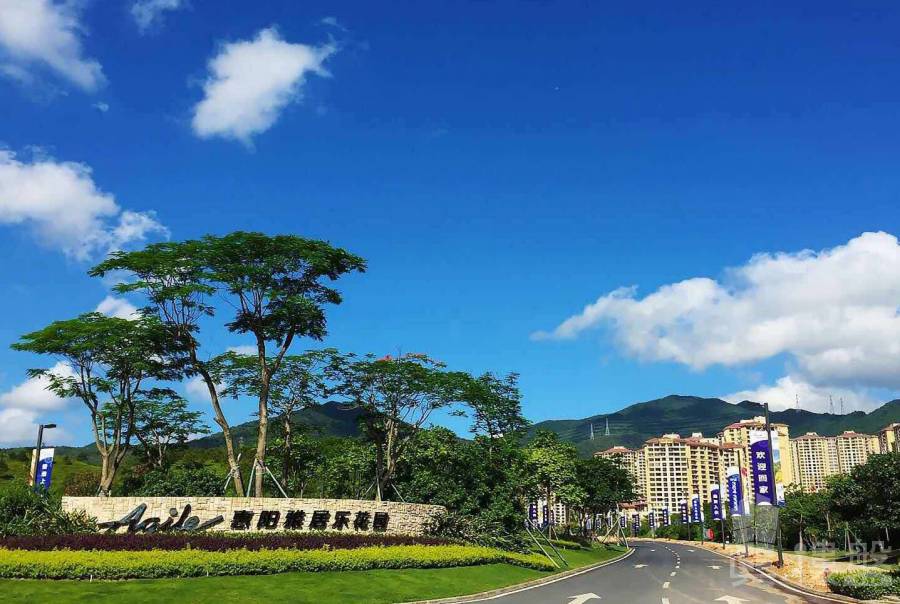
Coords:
496,593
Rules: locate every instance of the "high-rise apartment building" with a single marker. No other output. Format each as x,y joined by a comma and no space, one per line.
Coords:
818,457
677,468
889,439
739,433
631,460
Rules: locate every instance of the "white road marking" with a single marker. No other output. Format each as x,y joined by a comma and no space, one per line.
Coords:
714,567
640,565
672,574
666,585
665,601
583,598
730,600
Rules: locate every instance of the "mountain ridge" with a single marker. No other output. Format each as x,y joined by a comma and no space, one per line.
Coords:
631,426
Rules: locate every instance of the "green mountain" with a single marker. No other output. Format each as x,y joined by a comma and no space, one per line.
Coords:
329,419
684,415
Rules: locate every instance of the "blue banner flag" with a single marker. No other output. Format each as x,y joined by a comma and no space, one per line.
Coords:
665,517
651,519
762,468
683,508
44,470
715,502
696,511
735,491
532,512
635,524
622,521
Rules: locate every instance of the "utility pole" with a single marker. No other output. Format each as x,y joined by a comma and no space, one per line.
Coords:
778,544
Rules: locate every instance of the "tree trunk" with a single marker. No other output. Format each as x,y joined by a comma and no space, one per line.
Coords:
260,459
288,448
219,418
106,477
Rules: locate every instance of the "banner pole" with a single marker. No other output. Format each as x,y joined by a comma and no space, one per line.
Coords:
778,544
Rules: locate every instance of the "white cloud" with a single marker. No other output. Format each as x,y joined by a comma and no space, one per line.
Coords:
243,349
784,393
832,313
149,13
101,106
32,394
251,82
117,307
17,427
46,33
62,204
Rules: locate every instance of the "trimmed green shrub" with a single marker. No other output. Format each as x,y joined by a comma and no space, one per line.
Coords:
566,544
69,564
26,512
864,585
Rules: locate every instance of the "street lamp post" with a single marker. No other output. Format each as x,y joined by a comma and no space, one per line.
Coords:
778,544
37,453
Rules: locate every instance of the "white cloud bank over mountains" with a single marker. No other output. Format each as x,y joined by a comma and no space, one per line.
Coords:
832,313
45,34
62,205
251,82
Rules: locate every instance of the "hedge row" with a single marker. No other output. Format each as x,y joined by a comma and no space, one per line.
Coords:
69,564
211,541
864,585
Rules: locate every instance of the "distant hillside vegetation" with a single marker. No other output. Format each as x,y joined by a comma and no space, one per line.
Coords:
633,425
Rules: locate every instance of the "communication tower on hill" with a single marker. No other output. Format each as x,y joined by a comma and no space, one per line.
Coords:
606,433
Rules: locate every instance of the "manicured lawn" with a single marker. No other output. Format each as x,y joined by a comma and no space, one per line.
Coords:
362,587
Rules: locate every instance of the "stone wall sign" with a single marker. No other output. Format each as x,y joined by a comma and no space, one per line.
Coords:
239,514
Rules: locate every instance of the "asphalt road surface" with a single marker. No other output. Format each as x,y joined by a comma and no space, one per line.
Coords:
661,573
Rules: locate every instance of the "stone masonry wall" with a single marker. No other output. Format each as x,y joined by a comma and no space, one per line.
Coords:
268,513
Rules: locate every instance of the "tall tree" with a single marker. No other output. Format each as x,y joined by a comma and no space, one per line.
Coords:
604,484
496,405
173,277
276,286
553,465
397,395
302,381
109,362
163,421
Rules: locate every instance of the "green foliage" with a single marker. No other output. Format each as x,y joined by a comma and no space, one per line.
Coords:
870,495
82,483
806,514
69,564
109,362
486,480
23,511
162,420
864,585
496,406
397,396
189,480
553,464
604,484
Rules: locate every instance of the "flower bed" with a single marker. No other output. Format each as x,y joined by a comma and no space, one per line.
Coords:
210,541
83,564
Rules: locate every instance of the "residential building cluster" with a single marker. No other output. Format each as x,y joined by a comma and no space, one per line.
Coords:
671,468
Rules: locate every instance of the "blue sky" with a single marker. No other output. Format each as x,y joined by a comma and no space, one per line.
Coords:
500,165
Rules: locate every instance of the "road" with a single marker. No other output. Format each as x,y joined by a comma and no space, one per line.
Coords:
661,573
